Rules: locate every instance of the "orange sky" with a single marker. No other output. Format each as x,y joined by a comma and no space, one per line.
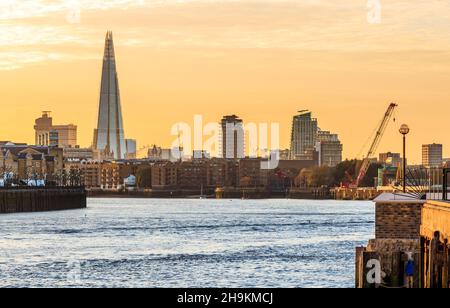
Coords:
262,60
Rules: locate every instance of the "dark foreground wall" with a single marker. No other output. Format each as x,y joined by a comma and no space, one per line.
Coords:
415,229
18,200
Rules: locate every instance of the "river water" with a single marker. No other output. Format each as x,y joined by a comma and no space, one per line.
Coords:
186,243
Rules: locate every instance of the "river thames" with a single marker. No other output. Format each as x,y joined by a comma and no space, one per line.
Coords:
186,243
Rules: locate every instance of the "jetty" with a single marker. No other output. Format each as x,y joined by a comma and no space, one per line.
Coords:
41,199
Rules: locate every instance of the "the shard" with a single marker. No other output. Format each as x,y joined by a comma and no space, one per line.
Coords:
109,137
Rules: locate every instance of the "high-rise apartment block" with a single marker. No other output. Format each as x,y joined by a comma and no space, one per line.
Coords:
432,155
303,136
232,137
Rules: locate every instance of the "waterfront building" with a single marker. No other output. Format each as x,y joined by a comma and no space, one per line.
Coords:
192,174
110,176
164,175
97,175
232,145
221,173
90,173
109,136
250,173
47,134
303,136
23,162
329,149
432,155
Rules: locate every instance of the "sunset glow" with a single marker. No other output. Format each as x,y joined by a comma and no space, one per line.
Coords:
263,60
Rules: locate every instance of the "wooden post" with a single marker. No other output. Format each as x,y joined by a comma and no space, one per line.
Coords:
359,272
448,265
427,265
445,268
397,278
421,261
434,264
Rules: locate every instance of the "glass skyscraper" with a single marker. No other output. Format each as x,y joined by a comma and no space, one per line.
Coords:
109,138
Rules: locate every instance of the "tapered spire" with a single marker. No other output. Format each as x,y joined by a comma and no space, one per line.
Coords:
109,135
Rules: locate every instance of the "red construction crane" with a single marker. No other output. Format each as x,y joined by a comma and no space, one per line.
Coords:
373,148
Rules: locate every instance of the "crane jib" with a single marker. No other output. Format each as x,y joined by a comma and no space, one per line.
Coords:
378,136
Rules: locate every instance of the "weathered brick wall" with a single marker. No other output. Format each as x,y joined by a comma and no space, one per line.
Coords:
396,220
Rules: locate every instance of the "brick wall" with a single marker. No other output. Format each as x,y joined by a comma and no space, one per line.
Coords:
398,220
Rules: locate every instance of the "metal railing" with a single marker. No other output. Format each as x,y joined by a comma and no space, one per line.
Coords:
445,183
427,183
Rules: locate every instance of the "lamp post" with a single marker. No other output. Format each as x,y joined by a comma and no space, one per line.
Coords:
404,130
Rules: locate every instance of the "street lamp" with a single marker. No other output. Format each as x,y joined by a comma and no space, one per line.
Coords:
404,130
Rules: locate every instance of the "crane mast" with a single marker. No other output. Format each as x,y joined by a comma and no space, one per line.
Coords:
378,136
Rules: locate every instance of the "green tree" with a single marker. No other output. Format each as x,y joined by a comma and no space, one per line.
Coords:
144,177
347,172
320,176
301,180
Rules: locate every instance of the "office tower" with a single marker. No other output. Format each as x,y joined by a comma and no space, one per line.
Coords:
432,155
47,134
329,149
109,140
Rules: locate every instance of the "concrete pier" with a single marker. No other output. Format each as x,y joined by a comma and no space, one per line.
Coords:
406,230
20,200
360,193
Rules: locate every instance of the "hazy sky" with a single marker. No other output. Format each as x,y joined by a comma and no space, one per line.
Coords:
262,60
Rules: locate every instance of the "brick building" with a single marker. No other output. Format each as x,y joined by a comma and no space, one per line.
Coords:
30,162
164,175
221,173
192,174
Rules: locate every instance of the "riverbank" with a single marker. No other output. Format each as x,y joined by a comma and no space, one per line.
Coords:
229,193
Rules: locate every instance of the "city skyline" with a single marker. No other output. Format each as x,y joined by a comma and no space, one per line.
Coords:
278,73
